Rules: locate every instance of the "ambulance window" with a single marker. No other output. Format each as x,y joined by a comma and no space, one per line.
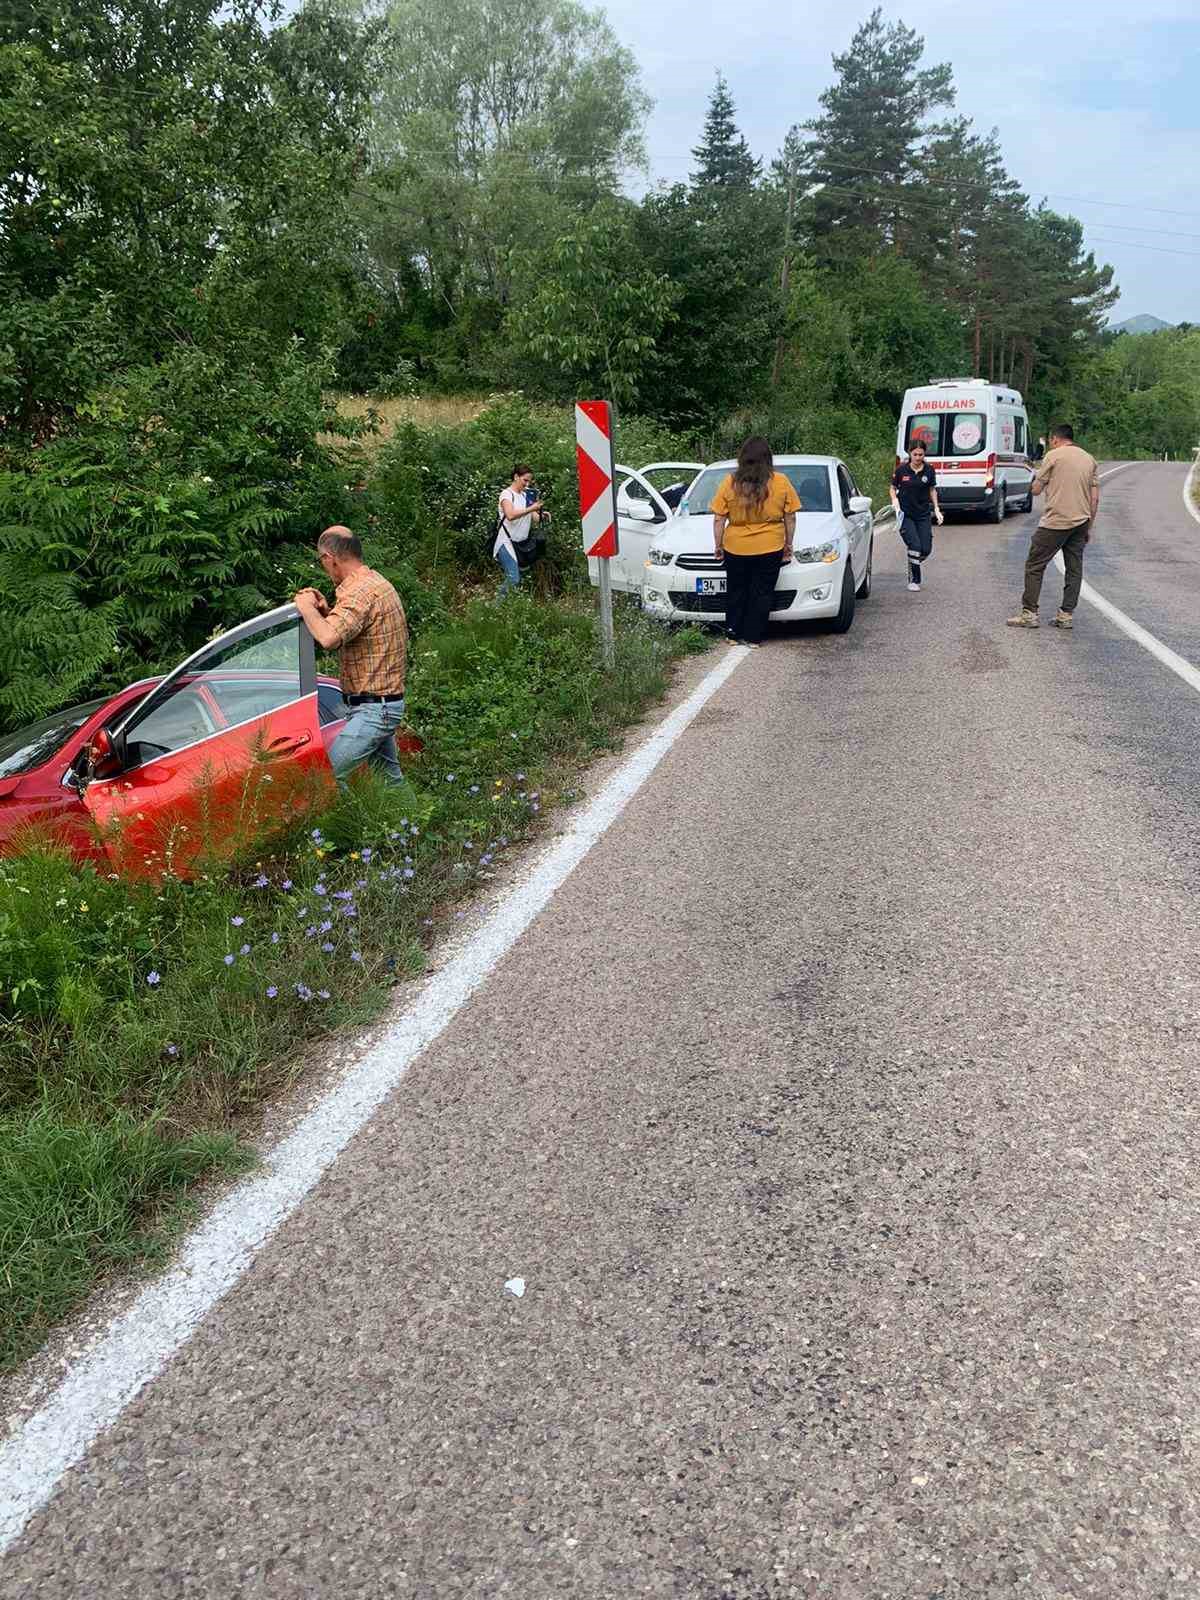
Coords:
1019,442
965,433
923,430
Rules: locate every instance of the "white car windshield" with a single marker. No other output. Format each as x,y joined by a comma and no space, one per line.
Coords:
811,483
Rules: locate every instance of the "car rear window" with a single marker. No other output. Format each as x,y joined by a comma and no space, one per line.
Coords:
950,433
811,483
20,752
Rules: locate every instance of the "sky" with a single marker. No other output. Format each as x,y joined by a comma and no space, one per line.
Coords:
1097,105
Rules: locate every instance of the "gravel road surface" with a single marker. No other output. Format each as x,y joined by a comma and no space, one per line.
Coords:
840,1113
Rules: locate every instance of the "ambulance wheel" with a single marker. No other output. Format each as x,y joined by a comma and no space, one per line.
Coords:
999,509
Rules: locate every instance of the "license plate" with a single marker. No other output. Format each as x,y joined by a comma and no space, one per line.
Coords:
710,585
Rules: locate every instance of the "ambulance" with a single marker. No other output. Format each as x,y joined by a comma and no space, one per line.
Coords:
976,438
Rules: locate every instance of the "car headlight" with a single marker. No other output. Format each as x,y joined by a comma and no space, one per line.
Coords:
660,558
827,552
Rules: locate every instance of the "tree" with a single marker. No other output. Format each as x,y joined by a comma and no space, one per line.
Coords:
493,123
724,159
866,146
590,310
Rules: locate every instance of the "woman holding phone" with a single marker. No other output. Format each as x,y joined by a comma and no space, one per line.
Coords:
754,521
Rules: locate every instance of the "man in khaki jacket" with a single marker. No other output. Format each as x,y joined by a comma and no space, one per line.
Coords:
1068,478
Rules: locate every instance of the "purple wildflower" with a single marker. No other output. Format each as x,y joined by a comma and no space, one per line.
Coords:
229,960
261,881
409,873
318,888
468,845
274,938
286,884
272,991
245,949
154,979
172,1049
367,854
356,955
236,922
322,994
449,777
304,991
474,788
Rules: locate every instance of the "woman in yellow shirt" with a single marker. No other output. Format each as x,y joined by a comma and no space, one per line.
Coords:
754,520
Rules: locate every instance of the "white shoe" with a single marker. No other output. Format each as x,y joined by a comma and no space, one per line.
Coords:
915,587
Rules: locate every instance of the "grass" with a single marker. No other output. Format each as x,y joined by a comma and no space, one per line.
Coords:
426,411
143,1025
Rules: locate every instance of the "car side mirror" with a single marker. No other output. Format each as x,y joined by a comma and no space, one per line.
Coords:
859,503
103,760
640,511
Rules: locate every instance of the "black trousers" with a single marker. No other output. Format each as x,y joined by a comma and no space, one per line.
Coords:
749,594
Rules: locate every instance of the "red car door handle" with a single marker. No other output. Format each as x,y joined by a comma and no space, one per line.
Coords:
286,743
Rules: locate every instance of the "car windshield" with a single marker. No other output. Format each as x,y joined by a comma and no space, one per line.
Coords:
29,747
810,481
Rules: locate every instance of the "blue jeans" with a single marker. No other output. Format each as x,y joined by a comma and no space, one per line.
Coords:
369,736
511,569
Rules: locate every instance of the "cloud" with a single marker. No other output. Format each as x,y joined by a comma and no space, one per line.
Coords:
1091,106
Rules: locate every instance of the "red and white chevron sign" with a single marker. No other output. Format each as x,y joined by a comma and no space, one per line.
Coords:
596,463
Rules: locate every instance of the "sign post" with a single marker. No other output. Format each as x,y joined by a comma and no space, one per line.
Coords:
595,425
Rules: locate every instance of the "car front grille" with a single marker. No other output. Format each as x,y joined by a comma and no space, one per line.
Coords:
781,600
698,563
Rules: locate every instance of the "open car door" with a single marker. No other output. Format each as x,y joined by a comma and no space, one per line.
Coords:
226,749
641,512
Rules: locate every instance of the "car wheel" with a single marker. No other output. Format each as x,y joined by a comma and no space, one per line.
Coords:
999,511
845,614
863,592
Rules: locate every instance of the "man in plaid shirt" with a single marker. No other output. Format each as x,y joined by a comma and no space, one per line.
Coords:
367,627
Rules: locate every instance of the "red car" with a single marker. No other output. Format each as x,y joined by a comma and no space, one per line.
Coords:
231,744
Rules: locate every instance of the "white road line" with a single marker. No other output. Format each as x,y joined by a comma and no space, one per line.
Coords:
1189,483
1174,663
136,1347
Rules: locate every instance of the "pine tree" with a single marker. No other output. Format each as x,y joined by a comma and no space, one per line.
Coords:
866,146
723,156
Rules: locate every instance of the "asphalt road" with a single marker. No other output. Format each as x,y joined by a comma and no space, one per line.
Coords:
840,1113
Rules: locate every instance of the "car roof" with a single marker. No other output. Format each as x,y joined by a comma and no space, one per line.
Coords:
786,461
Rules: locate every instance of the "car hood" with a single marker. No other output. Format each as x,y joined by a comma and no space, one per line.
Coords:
692,535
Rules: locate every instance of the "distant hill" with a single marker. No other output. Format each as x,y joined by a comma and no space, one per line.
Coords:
1142,324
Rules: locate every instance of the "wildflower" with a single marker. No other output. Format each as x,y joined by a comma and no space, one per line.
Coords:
325,926
304,991
245,949
520,777
172,1049
449,777
229,960
468,845
327,947
474,788
354,856
344,894
360,883
61,901
367,854
274,938
322,994
261,881
83,905
427,923
237,921
349,911
286,884
316,834
319,888
499,783
154,979
311,931
409,873
393,835
272,991
356,955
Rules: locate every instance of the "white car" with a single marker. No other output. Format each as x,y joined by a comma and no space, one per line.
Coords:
666,550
